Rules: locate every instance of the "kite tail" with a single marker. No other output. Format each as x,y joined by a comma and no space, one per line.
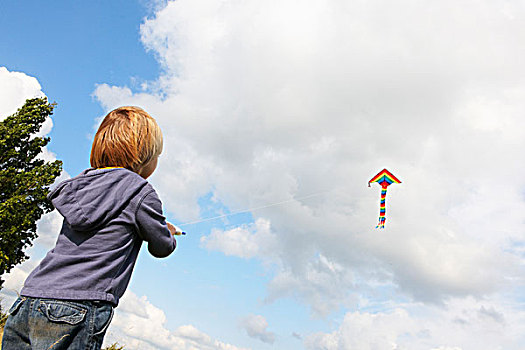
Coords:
382,209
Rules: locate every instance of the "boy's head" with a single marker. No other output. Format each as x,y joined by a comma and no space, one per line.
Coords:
128,137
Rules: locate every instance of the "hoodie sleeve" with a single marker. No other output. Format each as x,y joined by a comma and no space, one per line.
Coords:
152,226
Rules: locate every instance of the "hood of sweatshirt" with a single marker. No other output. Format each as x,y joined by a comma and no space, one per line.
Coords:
93,198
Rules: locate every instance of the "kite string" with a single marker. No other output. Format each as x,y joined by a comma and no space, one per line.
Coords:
254,208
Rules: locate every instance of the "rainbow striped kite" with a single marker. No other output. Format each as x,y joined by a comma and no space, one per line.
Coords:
385,179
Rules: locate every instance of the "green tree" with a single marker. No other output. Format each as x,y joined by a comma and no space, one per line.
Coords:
24,180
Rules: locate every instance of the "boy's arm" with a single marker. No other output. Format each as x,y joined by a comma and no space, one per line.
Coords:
153,228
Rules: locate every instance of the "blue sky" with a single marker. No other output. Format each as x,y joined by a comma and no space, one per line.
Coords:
299,104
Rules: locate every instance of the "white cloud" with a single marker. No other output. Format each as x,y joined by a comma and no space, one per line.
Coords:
246,241
48,228
321,283
138,324
262,102
364,331
464,323
15,88
256,327
14,281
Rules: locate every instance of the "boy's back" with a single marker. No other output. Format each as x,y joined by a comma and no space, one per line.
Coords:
107,213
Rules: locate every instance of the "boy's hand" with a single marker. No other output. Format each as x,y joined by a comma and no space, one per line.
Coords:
175,230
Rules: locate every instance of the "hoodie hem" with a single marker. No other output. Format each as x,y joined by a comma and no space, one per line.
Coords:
69,295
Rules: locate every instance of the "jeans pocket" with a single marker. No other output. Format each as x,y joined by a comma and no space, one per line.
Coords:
16,305
63,311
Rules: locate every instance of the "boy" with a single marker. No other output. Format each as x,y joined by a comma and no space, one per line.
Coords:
109,210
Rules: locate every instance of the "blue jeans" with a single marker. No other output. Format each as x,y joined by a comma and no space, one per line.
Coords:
49,324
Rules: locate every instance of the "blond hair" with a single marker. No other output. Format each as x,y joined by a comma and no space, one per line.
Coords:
128,137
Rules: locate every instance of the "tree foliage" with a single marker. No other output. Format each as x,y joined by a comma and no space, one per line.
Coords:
24,180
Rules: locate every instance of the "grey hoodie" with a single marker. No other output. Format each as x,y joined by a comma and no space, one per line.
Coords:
108,213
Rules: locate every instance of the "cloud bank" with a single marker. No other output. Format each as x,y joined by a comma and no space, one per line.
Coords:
138,324
462,325
265,102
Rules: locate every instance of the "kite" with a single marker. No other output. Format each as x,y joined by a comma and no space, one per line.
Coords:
385,179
